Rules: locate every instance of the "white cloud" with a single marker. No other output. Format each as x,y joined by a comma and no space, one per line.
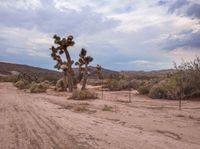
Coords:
184,53
21,4
140,62
23,41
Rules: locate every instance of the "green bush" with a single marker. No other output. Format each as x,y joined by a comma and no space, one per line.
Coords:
183,83
143,90
157,92
117,85
21,84
112,85
83,95
189,78
39,87
165,89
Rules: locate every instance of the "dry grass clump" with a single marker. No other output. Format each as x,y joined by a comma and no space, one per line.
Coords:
39,87
21,84
107,108
81,108
83,95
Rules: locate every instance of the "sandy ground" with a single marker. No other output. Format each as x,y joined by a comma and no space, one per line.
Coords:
51,121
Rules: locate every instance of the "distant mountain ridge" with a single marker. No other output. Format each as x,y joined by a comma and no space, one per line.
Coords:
9,68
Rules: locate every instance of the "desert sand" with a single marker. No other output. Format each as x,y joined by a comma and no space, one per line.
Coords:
52,121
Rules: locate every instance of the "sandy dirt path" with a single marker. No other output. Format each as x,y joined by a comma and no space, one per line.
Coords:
25,122
50,121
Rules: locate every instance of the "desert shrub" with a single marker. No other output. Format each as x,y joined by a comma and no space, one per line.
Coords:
39,87
157,91
9,78
45,83
143,89
183,83
115,76
135,83
146,85
21,84
165,89
107,108
28,77
117,85
23,80
60,85
124,84
52,79
112,85
189,78
83,95
94,82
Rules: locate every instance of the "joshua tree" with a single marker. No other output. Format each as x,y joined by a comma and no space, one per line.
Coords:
100,76
66,66
83,71
99,72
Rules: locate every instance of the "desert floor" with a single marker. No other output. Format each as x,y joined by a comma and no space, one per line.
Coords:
52,121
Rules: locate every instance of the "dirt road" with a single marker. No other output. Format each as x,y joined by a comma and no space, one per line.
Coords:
50,121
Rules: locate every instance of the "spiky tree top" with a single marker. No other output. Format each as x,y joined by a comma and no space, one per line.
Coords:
99,71
83,60
98,68
83,71
62,45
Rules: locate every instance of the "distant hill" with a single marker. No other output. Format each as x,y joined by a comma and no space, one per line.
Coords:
41,73
146,74
10,68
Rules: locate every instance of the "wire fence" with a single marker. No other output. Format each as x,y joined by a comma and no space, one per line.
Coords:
132,97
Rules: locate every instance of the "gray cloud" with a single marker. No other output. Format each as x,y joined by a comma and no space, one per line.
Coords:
194,11
49,19
177,5
162,2
189,39
186,8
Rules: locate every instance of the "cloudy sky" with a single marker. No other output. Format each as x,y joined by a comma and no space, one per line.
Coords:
119,34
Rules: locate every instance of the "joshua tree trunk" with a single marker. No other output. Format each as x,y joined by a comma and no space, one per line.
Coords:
70,81
85,76
69,71
65,80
